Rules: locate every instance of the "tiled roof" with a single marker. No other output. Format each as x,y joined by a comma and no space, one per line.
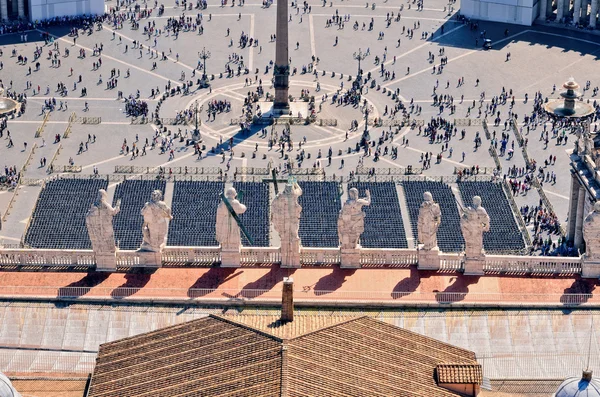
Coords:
50,387
259,356
459,373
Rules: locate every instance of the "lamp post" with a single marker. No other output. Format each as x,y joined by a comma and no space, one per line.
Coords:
359,56
196,133
365,136
204,55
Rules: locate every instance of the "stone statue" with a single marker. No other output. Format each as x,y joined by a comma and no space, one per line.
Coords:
285,215
588,144
227,229
591,233
156,213
351,222
430,217
473,222
99,222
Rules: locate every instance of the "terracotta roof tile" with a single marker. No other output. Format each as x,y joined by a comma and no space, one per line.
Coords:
260,356
459,373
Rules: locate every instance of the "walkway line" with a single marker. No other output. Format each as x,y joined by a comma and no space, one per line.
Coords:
556,194
251,49
427,42
311,27
130,39
116,60
428,69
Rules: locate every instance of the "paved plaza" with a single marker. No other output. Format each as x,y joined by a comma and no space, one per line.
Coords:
540,57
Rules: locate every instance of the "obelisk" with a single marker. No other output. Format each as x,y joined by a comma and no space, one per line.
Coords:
281,71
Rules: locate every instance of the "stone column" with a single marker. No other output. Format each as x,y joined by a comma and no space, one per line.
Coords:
281,71
594,13
560,9
578,239
572,207
576,11
4,10
543,9
21,8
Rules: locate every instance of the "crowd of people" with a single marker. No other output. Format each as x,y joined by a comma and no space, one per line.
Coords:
380,142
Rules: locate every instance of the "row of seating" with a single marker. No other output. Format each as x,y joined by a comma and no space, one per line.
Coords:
449,235
58,221
128,223
255,196
321,205
384,227
504,235
194,209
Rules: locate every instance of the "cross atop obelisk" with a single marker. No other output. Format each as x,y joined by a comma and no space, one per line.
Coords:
281,71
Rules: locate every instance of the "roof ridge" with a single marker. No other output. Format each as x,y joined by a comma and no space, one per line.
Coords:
327,327
245,326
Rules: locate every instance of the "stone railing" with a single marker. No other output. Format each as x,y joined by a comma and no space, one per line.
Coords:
508,264
260,256
369,258
197,255
48,257
451,262
320,256
388,256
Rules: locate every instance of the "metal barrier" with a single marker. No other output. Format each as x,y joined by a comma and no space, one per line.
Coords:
517,213
40,130
89,120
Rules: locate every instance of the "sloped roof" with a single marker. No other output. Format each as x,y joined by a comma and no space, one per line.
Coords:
459,373
260,356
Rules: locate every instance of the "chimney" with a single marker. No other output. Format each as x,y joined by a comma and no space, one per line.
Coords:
287,300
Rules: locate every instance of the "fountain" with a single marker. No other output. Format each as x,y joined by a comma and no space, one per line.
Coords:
7,105
569,106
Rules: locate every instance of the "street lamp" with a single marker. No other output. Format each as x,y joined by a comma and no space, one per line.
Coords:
204,55
196,133
359,56
365,136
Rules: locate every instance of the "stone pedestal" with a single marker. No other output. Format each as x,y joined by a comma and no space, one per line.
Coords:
350,258
290,259
231,258
474,266
106,262
150,259
428,259
590,268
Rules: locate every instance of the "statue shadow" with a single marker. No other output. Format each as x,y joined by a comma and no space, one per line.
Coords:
265,283
410,284
211,280
333,281
83,286
135,281
579,292
458,290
